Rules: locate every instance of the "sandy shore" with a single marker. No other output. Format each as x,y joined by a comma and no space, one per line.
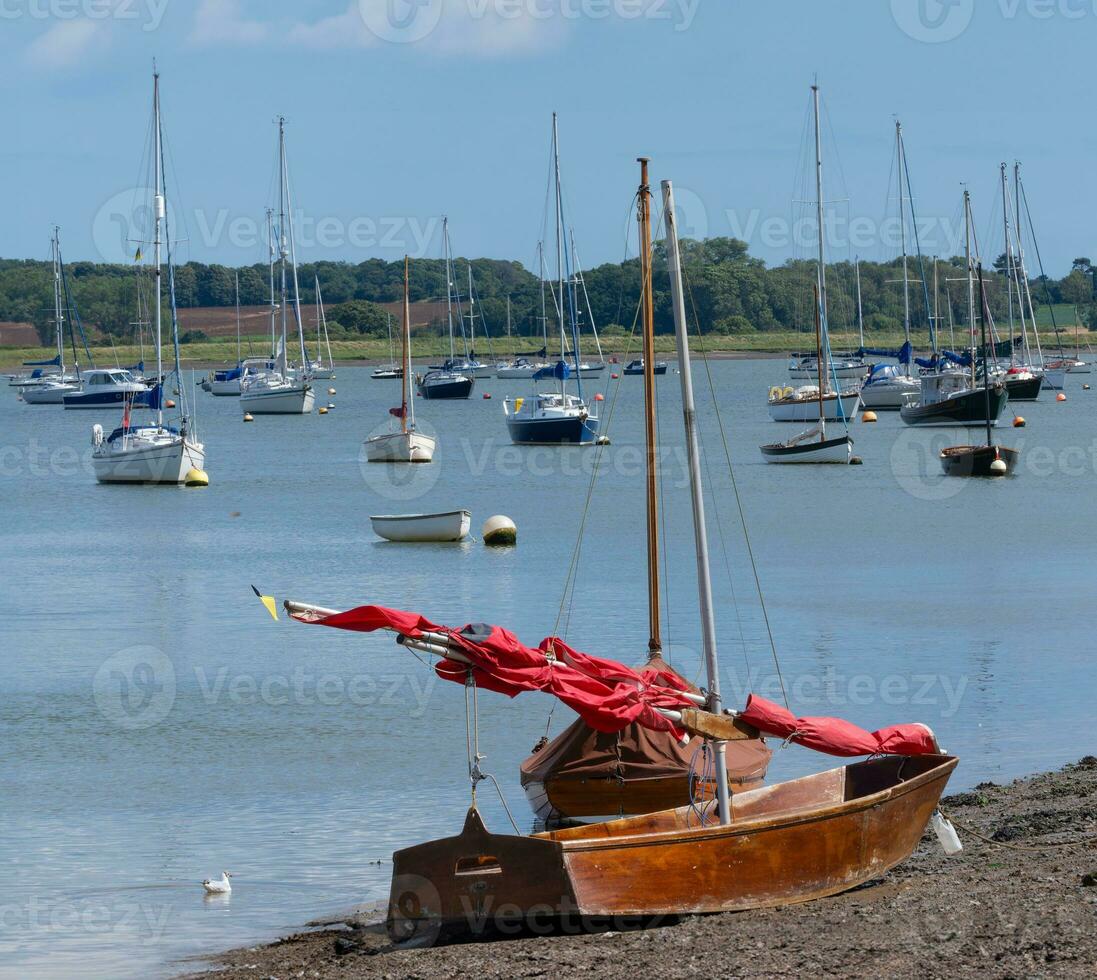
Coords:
1019,907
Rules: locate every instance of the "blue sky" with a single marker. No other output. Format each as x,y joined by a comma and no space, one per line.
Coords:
388,129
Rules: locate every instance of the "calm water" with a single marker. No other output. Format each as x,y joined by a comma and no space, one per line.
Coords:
157,727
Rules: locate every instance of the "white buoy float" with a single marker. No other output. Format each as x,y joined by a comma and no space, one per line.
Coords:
499,531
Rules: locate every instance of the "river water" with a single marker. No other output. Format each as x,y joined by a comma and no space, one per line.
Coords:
156,726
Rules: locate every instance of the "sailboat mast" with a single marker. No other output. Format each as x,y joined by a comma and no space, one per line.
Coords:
1010,270
970,277
472,313
903,230
405,359
293,266
986,355
819,360
1022,270
237,318
821,276
449,285
270,263
704,578
282,233
159,212
655,640
544,310
559,245
58,314
860,305
319,336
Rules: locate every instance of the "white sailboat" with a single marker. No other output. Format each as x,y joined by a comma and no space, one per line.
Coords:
455,378
318,370
817,402
51,390
152,453
277,392
406,444
391,371
889,387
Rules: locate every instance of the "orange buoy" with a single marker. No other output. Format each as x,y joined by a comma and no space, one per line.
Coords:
487,395
1019,422
599,397
868,417
1060,397
169,404
615,376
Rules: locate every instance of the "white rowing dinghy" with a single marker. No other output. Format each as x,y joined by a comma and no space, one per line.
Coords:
451,526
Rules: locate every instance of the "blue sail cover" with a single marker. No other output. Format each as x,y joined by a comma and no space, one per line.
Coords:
902,355
152,399
53,362
929,363
963,360
560,371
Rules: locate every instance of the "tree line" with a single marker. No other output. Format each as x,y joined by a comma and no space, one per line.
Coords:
729,292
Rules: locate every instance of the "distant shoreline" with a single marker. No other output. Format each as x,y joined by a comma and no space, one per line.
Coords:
1020,907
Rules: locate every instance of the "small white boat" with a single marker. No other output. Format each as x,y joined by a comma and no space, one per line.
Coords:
806,368
452,526
520,368
812,446
406,444
400,447
106,388
272,394
145,454
52,391
387,373
1079,367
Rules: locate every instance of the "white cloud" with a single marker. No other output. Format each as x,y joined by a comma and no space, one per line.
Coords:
67,43
223,22
459,27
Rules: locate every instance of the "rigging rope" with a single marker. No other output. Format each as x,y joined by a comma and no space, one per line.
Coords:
738,497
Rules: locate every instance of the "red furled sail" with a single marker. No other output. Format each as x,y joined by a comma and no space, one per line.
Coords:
836,737
607,695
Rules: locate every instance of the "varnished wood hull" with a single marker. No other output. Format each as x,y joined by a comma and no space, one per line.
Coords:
788,843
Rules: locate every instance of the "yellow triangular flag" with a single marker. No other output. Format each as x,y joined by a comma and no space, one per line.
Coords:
268,601
137,257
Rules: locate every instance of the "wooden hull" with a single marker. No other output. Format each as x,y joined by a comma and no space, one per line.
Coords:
581,799
787,843
977,460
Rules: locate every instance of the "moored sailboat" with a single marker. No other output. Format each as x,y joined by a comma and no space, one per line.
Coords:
406,444
557,417
278,392
153,453
52,388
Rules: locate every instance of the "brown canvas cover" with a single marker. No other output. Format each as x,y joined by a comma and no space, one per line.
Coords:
580,752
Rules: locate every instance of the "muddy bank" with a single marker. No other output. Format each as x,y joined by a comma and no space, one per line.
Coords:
1018,907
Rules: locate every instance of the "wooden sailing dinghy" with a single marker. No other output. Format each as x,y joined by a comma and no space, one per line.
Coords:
777,845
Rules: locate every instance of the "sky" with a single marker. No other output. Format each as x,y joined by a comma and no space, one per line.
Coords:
400,111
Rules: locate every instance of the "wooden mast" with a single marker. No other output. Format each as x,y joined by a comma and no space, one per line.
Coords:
655,641
405,352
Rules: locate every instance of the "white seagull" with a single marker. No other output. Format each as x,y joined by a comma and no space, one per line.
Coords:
221,887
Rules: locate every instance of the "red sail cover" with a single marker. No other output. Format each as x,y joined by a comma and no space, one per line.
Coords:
836,737
609,696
